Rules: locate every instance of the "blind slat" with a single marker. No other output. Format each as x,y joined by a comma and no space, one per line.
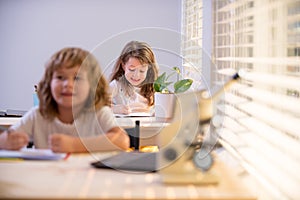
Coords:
280,120
232,124
282,102
291,61
273,80
234,113
275,137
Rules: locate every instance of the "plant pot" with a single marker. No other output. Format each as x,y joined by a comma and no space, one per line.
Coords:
164,104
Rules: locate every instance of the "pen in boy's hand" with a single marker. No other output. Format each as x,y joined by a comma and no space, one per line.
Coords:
3,128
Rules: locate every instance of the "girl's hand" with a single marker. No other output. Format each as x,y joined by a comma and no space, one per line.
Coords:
61,143
16,140
121,109
139,107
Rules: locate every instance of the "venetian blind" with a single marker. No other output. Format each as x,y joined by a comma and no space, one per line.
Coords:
261,114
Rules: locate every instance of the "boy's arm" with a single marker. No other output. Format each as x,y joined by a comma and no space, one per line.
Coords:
13,140
115,139
3,138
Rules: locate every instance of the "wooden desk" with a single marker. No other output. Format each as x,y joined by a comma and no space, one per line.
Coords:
7,121
76,179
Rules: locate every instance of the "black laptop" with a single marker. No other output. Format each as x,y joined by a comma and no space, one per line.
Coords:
130,161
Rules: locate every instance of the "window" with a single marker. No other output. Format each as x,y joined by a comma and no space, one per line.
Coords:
192,40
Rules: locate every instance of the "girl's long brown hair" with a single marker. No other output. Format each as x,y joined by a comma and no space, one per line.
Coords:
143,52
68,58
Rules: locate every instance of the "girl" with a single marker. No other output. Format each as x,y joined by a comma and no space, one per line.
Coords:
132,79
73,113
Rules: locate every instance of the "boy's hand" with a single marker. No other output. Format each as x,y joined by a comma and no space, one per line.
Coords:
118,137
16,140
61,143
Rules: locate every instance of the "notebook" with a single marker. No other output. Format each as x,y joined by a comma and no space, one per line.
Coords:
135,114
32,154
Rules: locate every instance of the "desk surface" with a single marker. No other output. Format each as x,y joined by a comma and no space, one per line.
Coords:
7,121
125,122
76,179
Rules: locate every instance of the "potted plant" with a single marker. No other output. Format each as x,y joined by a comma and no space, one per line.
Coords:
164,98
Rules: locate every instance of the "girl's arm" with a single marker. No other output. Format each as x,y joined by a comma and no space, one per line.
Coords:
119,102
120,109
139,107
115,139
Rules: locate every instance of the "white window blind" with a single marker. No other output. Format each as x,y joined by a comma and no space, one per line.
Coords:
191,45
261,125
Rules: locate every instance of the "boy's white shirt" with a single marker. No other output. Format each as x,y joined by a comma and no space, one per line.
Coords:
87,124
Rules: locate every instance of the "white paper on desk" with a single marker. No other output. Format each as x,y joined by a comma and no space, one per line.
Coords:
136,114
32,154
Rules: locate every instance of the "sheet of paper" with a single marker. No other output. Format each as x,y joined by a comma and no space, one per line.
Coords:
32,154
136,114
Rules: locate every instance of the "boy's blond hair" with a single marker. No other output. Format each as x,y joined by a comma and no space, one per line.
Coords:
69,58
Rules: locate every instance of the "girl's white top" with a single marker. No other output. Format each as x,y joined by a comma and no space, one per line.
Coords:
119,96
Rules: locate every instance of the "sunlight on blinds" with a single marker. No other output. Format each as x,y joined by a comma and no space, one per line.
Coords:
191,45
261,114
282,102
272,79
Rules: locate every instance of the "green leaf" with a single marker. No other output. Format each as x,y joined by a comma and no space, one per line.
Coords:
161,79
182,85
160,83
157,87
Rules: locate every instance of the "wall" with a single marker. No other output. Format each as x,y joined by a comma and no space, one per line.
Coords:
32,30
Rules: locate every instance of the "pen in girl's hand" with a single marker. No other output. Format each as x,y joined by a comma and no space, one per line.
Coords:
123,98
